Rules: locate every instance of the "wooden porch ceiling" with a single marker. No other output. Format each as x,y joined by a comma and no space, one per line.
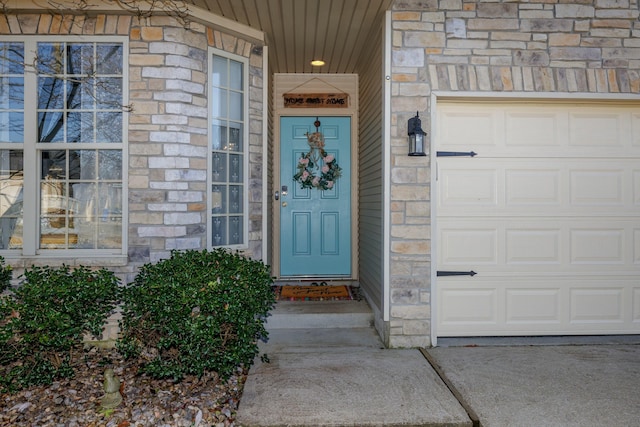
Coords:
298,31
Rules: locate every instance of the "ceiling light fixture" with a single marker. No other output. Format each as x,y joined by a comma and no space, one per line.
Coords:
317,63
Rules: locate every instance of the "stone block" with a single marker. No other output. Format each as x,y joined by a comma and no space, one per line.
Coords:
407,57
405,296
411,232
564,39
416,327
497,10
151,33
409,341
182,218
162,231
531,58
498,24
411,312
185,196
404,175
574,11
185,175
184,243
422,5
167,207
575,53
415,247
546,25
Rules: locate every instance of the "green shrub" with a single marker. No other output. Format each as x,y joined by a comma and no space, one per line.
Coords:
44,320
196,312
6,273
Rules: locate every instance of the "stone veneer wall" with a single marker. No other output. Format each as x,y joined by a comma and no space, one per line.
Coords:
168,132
565,46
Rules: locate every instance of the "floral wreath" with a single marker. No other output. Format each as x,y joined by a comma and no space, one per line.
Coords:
309,163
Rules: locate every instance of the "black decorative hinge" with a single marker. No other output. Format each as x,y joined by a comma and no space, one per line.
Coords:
456,273
456,154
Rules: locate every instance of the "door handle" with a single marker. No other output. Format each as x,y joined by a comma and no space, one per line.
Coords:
277,195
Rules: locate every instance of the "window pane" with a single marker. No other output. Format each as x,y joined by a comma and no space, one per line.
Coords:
109,93
109,127
218,135
110,164
219,167
219,232
11,127
54,164
219,103
220,75
235,199
50,58
110,58
50,93
235,137
235,75
80,127
80,58
11,197
235,230
11,58
11,93
235,168
82,164
235,105
218,197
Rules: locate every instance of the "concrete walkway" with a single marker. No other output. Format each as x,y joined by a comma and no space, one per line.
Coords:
341,376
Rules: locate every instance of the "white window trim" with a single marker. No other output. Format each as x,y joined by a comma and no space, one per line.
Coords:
245,140
31,204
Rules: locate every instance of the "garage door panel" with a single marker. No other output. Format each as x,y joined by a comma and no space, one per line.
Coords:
597,246
459,128
469,246
570,245
636,305
636,187
598,129
551,187
469,306
597,187
534,129
470,187
532,306
597,305
527,187
540,130
533,246
476,306
547,214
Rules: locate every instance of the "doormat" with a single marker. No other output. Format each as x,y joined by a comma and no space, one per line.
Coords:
313,293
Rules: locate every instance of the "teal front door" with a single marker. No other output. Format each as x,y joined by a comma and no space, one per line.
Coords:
315,223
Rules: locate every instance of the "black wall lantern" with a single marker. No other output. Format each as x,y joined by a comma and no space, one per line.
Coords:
416,136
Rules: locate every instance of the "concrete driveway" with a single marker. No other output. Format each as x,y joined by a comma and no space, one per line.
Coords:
546,385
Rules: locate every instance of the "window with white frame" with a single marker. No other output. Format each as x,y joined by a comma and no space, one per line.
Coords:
228,157
61,144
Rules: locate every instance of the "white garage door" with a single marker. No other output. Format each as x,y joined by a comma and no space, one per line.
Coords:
547,214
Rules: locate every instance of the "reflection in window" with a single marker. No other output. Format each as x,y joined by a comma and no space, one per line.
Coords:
228,153
76,185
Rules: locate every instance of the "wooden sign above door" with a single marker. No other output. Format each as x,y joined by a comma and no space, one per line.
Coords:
316,100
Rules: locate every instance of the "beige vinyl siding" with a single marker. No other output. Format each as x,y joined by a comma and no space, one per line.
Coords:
370,176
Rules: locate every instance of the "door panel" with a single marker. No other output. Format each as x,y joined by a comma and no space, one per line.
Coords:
315,225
